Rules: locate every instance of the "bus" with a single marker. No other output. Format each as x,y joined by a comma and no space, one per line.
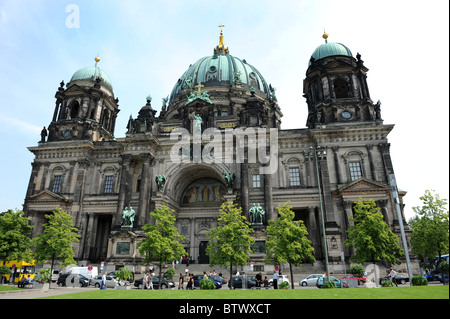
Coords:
18,269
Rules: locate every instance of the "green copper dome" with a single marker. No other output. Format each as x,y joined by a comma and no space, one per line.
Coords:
220,70
91,73
330,49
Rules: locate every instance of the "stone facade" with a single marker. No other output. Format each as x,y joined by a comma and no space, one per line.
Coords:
342,155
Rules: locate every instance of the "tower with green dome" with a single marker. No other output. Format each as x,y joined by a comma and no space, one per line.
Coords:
86,108
336,89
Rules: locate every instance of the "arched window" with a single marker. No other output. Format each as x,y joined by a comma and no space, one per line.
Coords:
74,109
341,89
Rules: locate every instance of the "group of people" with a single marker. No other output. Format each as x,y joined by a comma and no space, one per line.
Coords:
260,281
24,281
190,282
148,281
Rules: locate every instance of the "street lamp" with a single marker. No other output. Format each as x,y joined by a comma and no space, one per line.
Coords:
394,190
320,153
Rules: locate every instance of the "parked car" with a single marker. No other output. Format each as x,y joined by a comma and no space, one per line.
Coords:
220,279
237,282
400,279
435,275
281,278
165,284
311,280
197,279
321,279
96,281
361,280
55,274
83,281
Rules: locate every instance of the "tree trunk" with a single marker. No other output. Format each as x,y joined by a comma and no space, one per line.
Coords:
51,274
292,277
231,276
160,274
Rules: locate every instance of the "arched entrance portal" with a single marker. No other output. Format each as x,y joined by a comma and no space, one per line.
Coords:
198,191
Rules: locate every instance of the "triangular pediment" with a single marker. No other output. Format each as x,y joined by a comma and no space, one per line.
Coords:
363,185
339,64
47,196
74,88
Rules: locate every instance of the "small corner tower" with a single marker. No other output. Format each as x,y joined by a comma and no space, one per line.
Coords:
86,109
336,89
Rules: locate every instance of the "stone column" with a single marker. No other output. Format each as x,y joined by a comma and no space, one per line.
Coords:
123,190
32,183
371,161
244,189
313,230
144,193
78,193
268,198
44,176
336,164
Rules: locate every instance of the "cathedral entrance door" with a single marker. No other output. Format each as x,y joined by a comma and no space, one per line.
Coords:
203,258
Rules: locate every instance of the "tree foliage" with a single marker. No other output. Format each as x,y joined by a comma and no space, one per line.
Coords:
55,242
287,240
163,242
371,236
230,242
15,243
430,227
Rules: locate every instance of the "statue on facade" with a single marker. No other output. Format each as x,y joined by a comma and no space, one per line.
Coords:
128,217
198,121
160,181
230,177
43,134
256,214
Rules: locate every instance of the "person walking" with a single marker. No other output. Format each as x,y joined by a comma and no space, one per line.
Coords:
190,283
145,281
275,279
180,281
150,281
103,282
392,275
258,278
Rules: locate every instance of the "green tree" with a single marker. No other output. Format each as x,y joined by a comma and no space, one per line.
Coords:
371,236
15,243
163,242
230,242
55,242
430,227
287,240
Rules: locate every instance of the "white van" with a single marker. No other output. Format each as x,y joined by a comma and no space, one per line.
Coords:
85,271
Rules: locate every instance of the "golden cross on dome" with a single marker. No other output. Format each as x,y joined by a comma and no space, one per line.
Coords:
221,27
199,87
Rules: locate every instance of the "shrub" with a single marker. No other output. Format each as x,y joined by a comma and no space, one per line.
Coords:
387,283
284,285
123,274
169,273
207,284
43,275
4,270
329,284
357,270
419,281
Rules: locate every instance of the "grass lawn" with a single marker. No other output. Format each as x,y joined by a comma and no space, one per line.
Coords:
395,293
8,288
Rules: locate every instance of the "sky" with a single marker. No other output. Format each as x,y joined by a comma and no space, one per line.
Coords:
145,46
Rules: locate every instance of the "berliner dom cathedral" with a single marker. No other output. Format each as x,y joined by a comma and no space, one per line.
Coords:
341,153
